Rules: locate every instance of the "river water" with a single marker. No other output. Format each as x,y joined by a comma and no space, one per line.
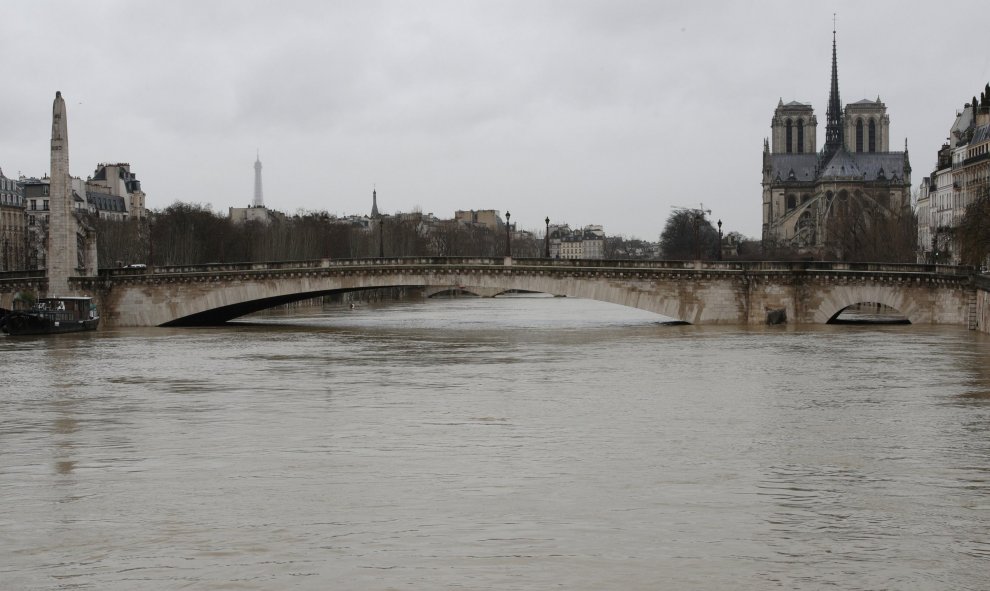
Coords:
509,443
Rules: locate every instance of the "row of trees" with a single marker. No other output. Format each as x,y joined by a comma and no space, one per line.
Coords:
856,230
185,234
189,234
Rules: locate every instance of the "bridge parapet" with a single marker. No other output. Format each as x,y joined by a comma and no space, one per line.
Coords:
735,266
11,282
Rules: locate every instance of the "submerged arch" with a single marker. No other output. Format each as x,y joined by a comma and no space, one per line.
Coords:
869,313
866,300
223,314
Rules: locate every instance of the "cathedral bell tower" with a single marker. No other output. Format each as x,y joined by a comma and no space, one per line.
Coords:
793,128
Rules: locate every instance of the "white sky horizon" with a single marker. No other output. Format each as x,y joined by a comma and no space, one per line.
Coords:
588,112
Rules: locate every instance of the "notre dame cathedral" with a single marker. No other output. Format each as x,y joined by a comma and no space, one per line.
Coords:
811,197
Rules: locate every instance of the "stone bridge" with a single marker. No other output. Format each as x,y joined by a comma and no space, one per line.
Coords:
695,292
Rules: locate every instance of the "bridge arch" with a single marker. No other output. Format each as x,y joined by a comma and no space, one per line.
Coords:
842,297
470,290
188,301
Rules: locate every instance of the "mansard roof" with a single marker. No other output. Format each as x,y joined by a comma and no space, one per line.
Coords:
865,102
981,134
106,202
797,104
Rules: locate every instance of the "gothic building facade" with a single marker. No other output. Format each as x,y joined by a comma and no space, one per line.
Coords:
808,194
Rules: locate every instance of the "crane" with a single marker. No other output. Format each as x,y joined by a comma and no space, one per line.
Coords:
698,215
695,210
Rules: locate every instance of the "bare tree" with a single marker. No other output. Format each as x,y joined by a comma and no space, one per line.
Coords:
863,227
972,235
688,235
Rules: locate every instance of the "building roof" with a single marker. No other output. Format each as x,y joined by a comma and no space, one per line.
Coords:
106,202
868,166
981,134
957,133
793,167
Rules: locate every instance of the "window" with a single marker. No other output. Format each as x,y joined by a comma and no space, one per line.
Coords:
800,142
791,202
787,128
859,135
44,205
34,205
873,135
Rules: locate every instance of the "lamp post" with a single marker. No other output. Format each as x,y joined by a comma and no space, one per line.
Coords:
381,237
546,238
719,254
151,243
508,235
697,241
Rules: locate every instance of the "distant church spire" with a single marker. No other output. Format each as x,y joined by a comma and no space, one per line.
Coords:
833,125
259,200
374,202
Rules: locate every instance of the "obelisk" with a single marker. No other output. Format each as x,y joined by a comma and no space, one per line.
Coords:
62,256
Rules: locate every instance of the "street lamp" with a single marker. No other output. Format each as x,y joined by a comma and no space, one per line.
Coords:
697,242
381,237
508,235
546,238
719,240
151,243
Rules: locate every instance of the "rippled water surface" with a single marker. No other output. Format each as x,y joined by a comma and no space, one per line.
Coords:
508,443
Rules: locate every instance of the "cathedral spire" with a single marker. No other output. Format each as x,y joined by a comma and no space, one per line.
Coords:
833,125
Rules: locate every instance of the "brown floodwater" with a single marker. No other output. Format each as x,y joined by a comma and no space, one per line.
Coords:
508,443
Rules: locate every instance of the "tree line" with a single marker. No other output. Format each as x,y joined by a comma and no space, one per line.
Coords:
191,234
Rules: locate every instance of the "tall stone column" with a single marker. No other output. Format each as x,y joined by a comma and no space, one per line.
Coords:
62,256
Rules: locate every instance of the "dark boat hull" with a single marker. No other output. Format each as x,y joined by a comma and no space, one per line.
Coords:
17,324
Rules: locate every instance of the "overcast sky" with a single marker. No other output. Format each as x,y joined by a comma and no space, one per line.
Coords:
589,112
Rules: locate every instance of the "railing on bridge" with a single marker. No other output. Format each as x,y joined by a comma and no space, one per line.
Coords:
14,277
14,280
726,266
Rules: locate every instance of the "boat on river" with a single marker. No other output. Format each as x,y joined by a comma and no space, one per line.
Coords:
52,316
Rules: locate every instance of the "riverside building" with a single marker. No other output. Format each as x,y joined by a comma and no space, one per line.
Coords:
961,176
